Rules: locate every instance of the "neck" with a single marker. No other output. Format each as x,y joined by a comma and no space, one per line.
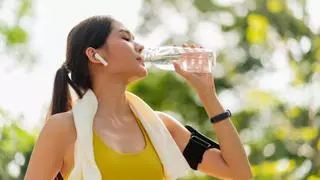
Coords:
111,97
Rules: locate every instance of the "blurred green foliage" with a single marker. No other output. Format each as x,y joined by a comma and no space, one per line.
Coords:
282,138
15,143
15,147
15,35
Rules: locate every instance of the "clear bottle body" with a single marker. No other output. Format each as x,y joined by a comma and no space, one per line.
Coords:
197,60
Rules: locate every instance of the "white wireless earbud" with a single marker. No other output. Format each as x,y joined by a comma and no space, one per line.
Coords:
98,57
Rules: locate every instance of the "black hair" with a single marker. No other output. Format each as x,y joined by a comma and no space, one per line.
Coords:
91,32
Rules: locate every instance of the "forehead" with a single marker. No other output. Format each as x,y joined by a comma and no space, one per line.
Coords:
117,26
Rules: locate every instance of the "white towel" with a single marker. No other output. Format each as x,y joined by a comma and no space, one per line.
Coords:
85,167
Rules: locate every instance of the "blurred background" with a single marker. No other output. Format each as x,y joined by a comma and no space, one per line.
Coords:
267,73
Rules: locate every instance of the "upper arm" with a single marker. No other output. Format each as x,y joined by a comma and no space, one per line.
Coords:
212,163
48,153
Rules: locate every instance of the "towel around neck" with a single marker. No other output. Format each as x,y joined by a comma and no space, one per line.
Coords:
85,167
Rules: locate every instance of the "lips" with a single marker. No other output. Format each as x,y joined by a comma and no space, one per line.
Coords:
140,59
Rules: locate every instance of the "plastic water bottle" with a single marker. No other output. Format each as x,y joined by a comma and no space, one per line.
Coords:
198,60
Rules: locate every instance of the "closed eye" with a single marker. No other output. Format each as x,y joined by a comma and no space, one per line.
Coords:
126,35
127,39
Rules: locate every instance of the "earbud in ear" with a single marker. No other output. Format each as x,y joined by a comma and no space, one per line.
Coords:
98,57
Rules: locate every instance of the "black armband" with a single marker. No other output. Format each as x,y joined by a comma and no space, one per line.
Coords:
197,145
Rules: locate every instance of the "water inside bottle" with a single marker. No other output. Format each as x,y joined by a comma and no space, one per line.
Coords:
162,62
167,67
195,63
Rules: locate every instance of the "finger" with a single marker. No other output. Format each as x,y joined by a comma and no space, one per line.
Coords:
180,71
177,67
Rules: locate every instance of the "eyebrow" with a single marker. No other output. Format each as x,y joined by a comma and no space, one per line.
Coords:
128,32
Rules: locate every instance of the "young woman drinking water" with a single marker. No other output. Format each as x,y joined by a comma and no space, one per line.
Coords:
110,133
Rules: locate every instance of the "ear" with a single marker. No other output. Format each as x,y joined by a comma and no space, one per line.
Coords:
94,57
90,54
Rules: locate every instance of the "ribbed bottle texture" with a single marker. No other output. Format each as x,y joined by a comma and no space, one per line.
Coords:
198,60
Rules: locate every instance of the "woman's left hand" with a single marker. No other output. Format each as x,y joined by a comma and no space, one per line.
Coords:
202,83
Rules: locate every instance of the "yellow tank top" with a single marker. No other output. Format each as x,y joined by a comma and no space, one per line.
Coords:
143,165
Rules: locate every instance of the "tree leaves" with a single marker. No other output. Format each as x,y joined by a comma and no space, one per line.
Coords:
25,8
257,28
14,140
15,35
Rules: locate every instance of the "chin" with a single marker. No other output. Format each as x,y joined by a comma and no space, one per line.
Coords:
142,72
138,76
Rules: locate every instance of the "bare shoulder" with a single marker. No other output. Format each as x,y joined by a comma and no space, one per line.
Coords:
56,137
168,120
61,126
172,124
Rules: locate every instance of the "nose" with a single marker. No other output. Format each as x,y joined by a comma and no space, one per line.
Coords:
139,47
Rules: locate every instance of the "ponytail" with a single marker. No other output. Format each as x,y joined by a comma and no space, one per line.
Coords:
61,97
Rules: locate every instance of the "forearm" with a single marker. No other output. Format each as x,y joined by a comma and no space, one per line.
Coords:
231,147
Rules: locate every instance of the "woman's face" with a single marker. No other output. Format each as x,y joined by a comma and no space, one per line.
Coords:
123,54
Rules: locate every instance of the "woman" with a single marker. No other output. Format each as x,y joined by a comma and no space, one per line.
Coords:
103,58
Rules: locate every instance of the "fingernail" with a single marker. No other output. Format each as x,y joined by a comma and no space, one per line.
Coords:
175,66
